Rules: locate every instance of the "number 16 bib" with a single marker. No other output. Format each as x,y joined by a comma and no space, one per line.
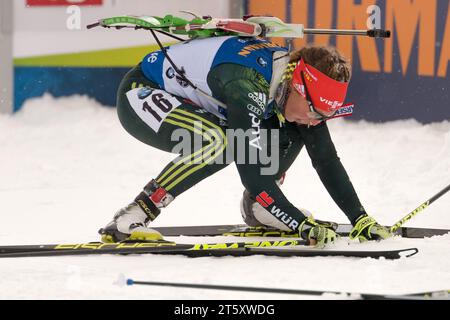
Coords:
152,105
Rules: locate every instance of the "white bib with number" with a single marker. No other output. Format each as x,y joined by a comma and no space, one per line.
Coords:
152,105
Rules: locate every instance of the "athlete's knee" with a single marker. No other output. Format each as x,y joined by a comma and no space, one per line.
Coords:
255,215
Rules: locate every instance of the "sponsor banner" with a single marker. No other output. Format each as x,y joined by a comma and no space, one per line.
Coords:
406,76
100,84
42,3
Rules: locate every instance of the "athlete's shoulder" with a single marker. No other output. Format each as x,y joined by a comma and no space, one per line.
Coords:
254,53
249,45
230,72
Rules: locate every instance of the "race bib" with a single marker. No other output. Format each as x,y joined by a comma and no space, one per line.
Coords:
152,105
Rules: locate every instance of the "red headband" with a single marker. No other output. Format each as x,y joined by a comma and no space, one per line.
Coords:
327,94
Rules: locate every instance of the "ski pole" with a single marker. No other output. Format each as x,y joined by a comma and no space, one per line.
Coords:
423,295
419,209
131,282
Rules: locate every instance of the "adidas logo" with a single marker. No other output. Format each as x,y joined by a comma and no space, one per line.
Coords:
260,98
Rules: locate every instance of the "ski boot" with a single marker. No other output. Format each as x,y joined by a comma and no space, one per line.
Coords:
130,223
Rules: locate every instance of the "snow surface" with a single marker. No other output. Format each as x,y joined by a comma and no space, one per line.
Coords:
67,166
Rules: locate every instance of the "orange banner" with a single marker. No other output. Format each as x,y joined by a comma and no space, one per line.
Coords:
410,20
406,76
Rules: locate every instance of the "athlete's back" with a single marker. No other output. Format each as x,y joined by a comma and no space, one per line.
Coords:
197,58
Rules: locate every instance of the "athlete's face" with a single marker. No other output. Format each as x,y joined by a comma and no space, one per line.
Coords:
297,110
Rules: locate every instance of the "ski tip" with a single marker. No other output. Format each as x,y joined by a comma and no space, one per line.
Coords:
130,282
409,252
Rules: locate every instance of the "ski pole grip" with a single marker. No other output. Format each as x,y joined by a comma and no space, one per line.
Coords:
379,33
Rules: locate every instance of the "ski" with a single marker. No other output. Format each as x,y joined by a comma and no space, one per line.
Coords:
246,231
285,248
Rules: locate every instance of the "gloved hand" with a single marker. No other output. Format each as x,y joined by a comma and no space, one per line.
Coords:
327,224
367,229
318,234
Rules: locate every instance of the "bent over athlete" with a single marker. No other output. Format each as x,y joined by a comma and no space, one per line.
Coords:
208,87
